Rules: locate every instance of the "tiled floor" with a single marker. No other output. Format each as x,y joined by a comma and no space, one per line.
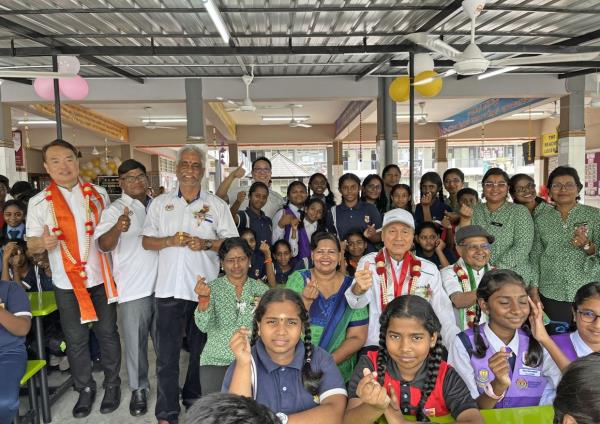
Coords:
61,410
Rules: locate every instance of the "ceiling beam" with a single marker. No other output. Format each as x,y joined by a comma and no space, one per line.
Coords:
296,9
57,47
580,39
19,80
442,16
577,73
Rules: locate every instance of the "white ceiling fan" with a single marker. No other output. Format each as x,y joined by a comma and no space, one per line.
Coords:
149,124
295,123
245,105
423,118
471,61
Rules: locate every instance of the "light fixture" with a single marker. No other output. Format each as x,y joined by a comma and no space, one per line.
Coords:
419,116
497,72
215,16
95,151
36,122
285,118
528,114
164,120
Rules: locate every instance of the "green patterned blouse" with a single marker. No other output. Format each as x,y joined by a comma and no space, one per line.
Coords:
224,316
512,226
562,268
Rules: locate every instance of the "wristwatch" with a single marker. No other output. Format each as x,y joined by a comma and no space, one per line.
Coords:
282,417
208,244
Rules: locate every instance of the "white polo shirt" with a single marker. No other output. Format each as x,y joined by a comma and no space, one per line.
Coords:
274,201
179,267
38,215
429,286
134,268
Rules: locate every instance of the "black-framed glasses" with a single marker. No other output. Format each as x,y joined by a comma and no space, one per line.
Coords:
134,178
588,316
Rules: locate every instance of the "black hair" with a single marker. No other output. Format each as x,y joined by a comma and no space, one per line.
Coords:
18,203
381,202
350,270
491,282
321,222
427,224
264,159
348,176
279,242
130,165
227,408
466,190
289,189
256,185
247,230
58,143
456,171
410,306
388,168
433,177
5,181
578,392
310,379
585,292
515,179
329,200
409,205
232,242
322,235
565,171
495,171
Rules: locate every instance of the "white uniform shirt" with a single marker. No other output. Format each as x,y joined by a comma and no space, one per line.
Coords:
278,232
581,349
274,201
429,282
452,285
134,268
38,215
310,229
179,267
459,358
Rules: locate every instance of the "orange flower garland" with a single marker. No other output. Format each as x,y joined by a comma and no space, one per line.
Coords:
414,266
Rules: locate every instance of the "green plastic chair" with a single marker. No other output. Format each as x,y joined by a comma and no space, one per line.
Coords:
31,378
528,415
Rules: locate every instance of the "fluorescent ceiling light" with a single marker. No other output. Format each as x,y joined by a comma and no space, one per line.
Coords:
497,72
217,19
164,120
407,115
527,114
285,118
36,122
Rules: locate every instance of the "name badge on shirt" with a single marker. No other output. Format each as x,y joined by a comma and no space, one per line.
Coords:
497,224
531,372
169,207
367,219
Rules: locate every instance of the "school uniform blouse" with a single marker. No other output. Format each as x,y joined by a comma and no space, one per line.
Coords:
260,224
280,387
562,268
14,300
346,219
437,208
512,226
278,232
459,358
310,228
434,258
456,393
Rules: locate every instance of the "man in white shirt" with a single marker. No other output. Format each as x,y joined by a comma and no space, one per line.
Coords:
186,227
394,271
134,270
462,278
61,220
261,171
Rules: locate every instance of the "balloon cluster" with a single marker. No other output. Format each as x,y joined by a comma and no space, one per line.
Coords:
98,166
423,67
75,88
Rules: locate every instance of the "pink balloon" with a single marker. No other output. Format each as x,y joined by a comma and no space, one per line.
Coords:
44,87
74,88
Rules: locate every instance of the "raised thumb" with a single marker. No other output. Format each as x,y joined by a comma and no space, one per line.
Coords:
126,211
46,230
367,266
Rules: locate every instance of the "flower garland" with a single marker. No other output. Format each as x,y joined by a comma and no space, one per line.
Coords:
412,263
89,229
467,285
200,215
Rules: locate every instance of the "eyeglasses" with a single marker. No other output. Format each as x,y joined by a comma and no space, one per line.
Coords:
134,178
472,247
525,189
262,170
452,181
489,185
561,187
588,316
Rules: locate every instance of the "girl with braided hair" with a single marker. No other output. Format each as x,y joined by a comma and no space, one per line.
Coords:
283,370
407,375
502,363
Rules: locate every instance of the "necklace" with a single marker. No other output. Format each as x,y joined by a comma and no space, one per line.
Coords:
384,268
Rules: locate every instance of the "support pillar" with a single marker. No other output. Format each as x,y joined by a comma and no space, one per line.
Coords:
387,133
233,155
571,133
194,108
125,152
441,155
337,168
154,173
8,166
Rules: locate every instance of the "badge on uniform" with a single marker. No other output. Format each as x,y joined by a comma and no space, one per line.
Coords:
483,376
521,384
169,207
367,219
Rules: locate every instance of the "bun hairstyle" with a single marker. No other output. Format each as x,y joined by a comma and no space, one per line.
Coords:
310,379
410,306
434,178
491,282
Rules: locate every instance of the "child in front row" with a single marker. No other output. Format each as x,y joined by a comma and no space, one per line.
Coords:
503,365
407,375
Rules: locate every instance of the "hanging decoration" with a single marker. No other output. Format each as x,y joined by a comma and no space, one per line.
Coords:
103,165
74,88
422,62
432,88
400,89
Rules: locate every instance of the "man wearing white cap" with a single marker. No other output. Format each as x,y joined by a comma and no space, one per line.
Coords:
394,271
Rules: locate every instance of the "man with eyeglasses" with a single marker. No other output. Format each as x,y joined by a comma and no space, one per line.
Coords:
134,271
461,279
186,226
261,171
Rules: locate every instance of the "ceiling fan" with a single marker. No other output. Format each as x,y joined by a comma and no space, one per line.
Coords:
294,123
149,124
471,61
245,105
423,118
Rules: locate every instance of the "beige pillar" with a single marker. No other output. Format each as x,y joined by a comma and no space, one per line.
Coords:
441,155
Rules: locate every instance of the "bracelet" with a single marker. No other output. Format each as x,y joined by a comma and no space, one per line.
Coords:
268,261
489,390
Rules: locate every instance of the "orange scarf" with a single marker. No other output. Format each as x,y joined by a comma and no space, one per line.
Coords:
66,232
